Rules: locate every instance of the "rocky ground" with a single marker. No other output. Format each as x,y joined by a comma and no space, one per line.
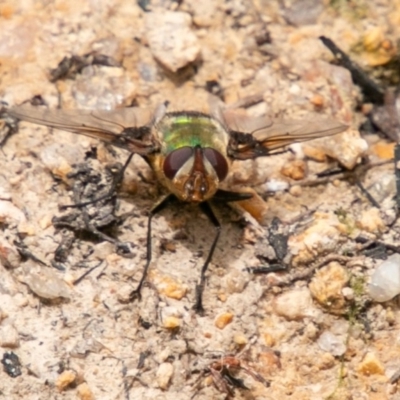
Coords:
67,327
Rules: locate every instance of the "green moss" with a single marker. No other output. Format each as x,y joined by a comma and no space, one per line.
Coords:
345,218
357,283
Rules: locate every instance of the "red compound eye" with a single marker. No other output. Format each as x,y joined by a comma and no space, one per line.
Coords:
175,160
218,162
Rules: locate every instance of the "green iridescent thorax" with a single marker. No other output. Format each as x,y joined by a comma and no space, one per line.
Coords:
190,129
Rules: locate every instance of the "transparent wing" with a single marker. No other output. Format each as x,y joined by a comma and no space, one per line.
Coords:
128,128
260,136
283,133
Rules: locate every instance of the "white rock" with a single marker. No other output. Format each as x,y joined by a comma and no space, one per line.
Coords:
275,185
235,281
295,305
8,284
103,249
8,335
163,355
59,157
383,187
331,343
102,88
346,147
164,374
9,213
45,282
170,39
385,281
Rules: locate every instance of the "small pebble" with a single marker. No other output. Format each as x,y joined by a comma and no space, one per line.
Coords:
235,282
44,282
295,170
170,288
84,392
168,245
223,320
102,250
303,12
171,322
373,38
101,88
240,339
268,361
325,361
84,347
269,340
322,237
332,344
58,158
255,206
383,150
346,147
9,256
45,222
8,335
371,221
171,40
296,190
124,293
65,379
204,12
222,297
294,305
317,100
10,214
163,355
348,293
385,281
27,229
370,365
164,374
327,285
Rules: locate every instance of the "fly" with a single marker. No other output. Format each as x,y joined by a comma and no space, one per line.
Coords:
190,152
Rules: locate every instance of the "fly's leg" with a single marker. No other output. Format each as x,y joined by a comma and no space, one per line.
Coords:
155,210
206,208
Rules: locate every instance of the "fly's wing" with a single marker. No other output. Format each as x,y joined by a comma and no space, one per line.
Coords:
129,128
261,136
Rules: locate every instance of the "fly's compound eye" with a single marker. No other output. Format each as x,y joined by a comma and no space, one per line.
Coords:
218,162
175,161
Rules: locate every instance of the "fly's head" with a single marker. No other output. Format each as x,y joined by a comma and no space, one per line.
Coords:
194,173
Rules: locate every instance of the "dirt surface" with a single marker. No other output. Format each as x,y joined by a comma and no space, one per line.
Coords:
308,333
